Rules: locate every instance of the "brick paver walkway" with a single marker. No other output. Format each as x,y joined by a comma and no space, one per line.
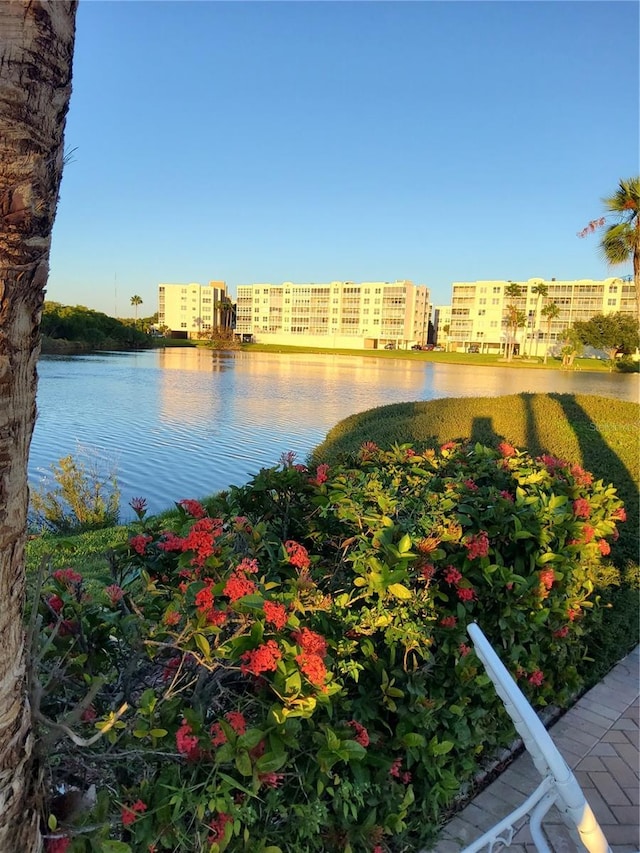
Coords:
599,740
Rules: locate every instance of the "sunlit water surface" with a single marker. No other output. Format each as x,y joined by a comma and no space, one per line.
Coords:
180,423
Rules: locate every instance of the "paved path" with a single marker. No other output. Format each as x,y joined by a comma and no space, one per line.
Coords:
599,739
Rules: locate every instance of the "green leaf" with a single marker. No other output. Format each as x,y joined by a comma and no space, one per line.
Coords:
400,591
203,644
270,762
110,846
404,544
243,763
52,822
414,739
440,748
158,732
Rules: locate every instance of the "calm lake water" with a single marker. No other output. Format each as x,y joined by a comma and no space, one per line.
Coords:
180,423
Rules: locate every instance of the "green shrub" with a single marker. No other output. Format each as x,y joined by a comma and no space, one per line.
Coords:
599,433
627,365
84,498
293,672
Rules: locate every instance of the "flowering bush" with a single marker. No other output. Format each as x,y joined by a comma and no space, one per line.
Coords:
289,671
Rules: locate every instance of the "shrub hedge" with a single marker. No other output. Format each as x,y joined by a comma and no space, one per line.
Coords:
287,669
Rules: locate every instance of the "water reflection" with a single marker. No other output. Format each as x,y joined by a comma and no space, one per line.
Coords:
186,422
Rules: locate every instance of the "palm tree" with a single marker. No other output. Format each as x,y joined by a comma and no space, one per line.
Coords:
550,311
135,301
36,46
621,241
541,290
515,317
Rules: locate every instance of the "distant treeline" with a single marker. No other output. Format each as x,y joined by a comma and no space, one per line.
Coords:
66,328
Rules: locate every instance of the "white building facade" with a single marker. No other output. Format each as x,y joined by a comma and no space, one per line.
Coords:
479,311
340,314
191,310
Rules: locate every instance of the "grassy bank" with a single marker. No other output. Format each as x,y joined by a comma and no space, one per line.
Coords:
581,364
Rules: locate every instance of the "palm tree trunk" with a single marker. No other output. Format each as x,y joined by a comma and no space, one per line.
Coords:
36,52
547,341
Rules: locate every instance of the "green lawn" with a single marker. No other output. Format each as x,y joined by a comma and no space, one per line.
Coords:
586,364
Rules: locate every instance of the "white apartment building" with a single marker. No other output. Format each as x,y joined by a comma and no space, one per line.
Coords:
340,314
441,318
191,309
479,310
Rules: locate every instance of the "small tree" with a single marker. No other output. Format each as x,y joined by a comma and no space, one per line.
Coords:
612,333
550,311
135,301
541,290
515,317
446,329
571,347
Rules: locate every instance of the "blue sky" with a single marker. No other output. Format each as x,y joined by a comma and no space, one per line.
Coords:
318,141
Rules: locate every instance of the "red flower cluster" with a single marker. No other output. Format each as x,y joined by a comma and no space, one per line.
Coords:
448,622
620,514
477,545
271,780
298,555
218,737
321,474
471,485
547,579
114,593
171,617
310,641
276,614
561,633
582,477
448,445
465,593
238,586
217,826
395,769
194,508
581,508
170,542
186,742
140,542
361,734
67,576
312,666
552,463
237,721
201,539
588,533
248,567
263,659
604,547
506,450
428,570
55,603
506,495
464,649
452,575
130,813
58,845
310,660
537,678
